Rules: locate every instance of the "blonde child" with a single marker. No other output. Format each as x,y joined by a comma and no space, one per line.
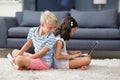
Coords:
62,58
43,40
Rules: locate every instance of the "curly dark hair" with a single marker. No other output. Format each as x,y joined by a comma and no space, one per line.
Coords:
64,28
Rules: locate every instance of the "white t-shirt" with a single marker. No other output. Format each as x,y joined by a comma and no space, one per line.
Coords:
64,63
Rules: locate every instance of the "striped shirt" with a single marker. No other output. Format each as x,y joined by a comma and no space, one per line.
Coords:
47,40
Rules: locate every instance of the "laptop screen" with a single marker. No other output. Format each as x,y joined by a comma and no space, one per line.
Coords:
93,47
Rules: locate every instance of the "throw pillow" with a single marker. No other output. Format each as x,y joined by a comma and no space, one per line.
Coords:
95,19
32,18
19,16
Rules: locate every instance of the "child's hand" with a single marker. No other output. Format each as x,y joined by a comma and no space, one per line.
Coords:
15,55
76,55
74,52
85,54
77,52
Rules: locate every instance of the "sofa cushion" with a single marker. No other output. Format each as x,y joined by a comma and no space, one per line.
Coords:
95,19
61,14
86,45
18,32
101,33
32,18
19,17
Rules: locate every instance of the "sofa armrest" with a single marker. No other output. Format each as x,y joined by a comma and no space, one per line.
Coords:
5,24
10,22
118,19
3,33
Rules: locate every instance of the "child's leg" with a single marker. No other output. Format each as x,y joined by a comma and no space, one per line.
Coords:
22,61
36,64
82,68
79,62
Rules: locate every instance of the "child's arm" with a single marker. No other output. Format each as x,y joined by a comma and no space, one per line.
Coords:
42,52
58,55
71,52
25,47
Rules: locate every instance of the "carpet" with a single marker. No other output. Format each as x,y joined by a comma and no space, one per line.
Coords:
104,69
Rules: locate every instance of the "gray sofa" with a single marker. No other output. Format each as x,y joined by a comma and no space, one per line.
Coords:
102,26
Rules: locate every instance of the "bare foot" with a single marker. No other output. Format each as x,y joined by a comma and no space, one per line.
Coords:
83,68
20,68
23,68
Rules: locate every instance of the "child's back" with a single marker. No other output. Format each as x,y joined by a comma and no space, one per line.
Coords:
61,63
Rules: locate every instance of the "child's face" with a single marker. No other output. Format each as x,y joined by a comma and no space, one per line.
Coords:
73,30
47,28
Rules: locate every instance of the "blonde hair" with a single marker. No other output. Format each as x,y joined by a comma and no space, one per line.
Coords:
48,17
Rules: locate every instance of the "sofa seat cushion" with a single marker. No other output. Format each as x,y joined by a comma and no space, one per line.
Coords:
84,44
18,32
97,33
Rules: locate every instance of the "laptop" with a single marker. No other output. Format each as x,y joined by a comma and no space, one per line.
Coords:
90,51
93,47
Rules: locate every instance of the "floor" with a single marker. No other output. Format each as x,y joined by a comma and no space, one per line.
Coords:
107,69
4,52
99,54
101,69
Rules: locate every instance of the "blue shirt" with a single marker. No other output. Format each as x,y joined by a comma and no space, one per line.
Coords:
47,40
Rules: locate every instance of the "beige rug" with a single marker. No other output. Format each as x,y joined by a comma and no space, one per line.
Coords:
107,69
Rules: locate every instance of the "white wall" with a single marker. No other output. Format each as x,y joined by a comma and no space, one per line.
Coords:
119,6
9,8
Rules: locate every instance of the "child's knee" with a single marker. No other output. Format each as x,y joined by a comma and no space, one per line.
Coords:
19,60
88,60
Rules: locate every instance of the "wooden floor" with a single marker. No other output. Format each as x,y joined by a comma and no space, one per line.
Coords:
4,52
95,54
